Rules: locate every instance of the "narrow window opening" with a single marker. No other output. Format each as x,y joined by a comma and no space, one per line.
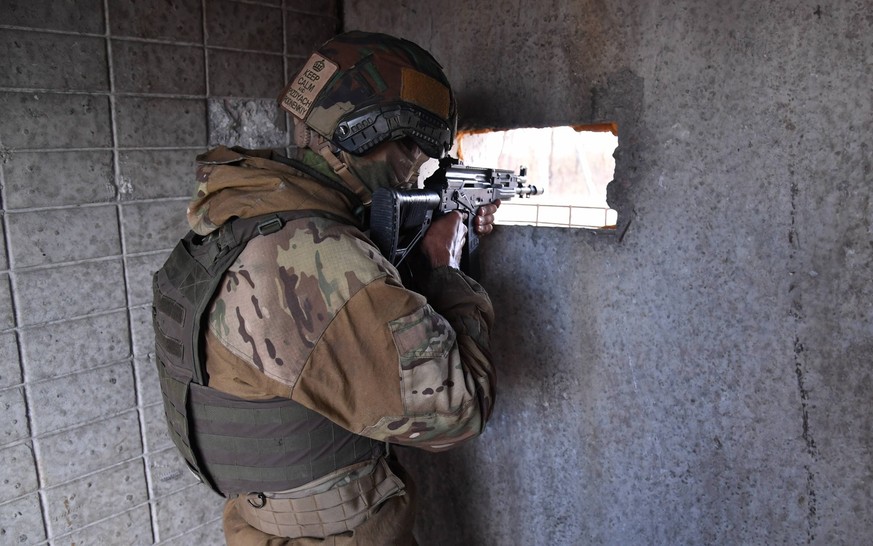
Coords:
573,163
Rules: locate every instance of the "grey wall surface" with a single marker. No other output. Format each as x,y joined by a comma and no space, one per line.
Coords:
103,106
703,374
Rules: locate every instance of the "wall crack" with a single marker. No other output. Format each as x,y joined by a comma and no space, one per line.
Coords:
796,312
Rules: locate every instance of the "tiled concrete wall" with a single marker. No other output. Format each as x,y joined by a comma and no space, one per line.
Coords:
103,105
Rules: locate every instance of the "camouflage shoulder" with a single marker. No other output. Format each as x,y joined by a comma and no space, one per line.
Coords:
282,293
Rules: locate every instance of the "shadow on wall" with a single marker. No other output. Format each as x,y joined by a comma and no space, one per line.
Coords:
530,452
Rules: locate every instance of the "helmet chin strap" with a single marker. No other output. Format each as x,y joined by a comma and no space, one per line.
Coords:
342,170
306,137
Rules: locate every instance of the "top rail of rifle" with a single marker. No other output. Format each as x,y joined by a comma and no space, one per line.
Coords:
482,175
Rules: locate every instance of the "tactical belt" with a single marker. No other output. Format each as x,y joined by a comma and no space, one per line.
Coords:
332,511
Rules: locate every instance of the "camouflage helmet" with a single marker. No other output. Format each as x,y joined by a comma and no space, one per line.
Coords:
360,89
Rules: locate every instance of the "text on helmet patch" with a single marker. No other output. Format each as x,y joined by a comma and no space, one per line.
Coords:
307,84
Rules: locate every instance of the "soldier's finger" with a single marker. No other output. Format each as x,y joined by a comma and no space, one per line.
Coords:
483,220
486,210
485,230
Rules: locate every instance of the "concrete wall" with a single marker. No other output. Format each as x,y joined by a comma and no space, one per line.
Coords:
703,375
103,106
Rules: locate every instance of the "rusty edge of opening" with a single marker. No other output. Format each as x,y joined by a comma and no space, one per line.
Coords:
604,127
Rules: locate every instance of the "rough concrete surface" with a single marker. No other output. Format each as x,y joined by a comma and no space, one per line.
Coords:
703,374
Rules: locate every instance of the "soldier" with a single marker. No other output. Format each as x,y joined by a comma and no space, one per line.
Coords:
290,352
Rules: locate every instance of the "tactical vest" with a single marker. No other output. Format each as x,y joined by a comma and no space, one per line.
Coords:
232,444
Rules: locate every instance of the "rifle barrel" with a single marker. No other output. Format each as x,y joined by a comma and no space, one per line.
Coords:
527,191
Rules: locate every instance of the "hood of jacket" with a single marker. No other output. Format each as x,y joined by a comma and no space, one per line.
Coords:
235,182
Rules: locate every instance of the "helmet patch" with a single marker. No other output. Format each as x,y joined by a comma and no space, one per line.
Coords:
421,89
299,95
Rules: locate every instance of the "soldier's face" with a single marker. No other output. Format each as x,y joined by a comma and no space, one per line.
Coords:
392,164
413,153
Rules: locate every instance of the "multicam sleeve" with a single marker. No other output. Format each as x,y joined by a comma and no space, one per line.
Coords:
446,378
405,368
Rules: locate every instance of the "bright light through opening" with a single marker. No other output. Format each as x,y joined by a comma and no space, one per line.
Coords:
574,165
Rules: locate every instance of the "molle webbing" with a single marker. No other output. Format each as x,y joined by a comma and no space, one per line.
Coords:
272,445
232,444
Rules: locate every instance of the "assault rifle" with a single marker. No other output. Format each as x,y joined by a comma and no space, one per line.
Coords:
400,218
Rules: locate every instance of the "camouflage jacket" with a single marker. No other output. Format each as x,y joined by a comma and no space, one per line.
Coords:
314,313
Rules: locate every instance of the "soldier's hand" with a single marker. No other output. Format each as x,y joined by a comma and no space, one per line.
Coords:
444,240
485,218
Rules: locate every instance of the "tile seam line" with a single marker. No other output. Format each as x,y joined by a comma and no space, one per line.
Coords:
97,420
204,30
114,466
131,461
68,534
117,182
68,263
122,95
105,366
151,41
37,325
70,428
25,210
90,422
165,42
94,523
10,266
201,526
285,69
283,7
51,31
216,520
17,320
99,93
24,150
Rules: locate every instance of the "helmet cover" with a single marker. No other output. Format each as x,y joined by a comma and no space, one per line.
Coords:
360,89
